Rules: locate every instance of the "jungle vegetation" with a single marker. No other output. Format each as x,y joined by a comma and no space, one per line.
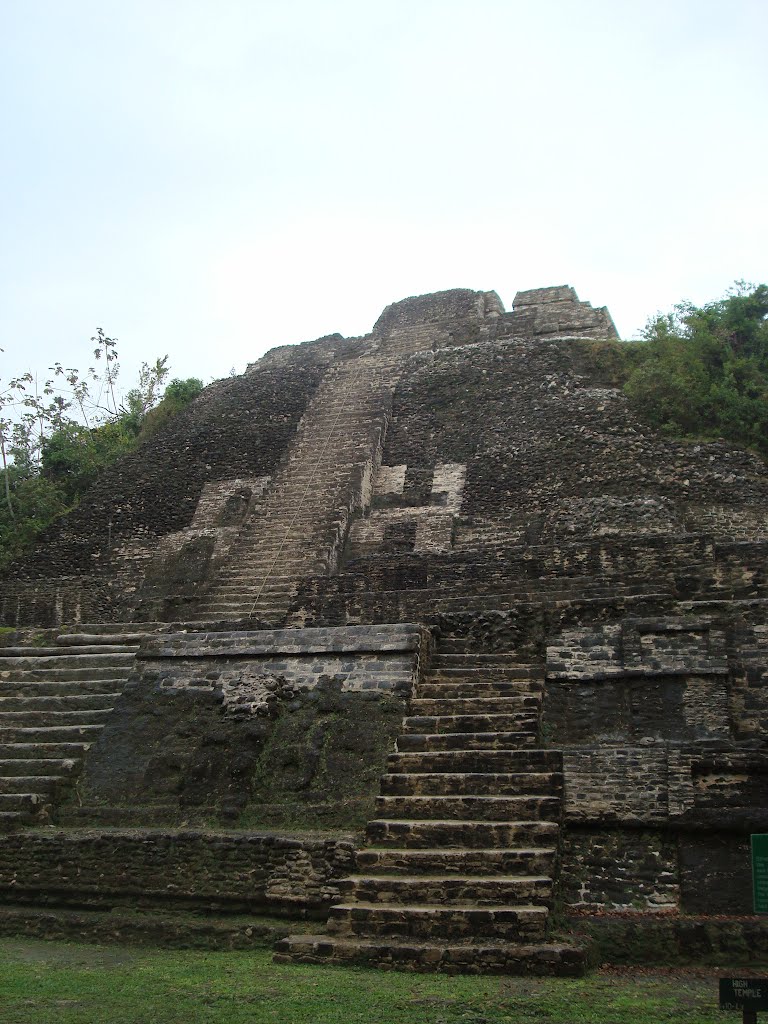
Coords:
58,435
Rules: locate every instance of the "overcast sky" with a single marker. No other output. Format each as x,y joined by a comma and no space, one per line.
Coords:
210,178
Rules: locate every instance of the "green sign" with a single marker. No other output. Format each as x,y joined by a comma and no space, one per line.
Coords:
760,873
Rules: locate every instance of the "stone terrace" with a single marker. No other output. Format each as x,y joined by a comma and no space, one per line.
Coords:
422,643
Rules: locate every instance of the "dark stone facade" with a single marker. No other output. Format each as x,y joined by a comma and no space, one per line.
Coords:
506,498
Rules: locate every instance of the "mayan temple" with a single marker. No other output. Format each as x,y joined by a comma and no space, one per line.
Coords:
419,646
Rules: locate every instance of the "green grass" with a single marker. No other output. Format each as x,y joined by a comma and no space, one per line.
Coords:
87,984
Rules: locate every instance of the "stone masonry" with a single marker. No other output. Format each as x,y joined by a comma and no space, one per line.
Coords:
422,636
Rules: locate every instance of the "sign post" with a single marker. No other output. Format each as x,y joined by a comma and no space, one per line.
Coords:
751,994
760,873
746,994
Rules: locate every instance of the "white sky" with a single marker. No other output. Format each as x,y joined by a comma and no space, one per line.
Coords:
210,178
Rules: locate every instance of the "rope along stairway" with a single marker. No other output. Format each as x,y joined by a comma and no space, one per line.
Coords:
300,525
460,867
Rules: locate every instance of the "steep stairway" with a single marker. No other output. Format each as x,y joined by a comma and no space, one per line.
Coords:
459,870
302,521
54,701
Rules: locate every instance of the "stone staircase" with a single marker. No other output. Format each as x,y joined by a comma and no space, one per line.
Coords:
459,870
300,525
54,701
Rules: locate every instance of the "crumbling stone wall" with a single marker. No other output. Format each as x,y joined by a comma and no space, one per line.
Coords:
91,561
532,428
519,507
282,728
208,870
664,779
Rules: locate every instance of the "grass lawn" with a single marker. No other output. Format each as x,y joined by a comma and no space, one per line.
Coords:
63,983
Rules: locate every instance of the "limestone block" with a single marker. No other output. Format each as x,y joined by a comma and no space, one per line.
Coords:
227,499
434,533
359,659
389,480
448,485
667,646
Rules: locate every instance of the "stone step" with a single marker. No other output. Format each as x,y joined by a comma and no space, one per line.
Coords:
471,600
299,514
302,500
490,673
528,807
484,705
427,742
81,689
236,609
443,890
329,450
98,631
49,734
352,428
248,587
123,815
261,547
239,613
350,442
445,659
474,761
69,702
20,802
30,783
244,580
246,594
338,429
523,923
52,719
334,438
281,524
131,639
57,661
252,578
273,589
517,861
472,783
210,623
168,926
477,957
280,579
10,821
56,652
247,604
477,835
69,675
43,750
444,691
21,767
249,581
521,722
283,553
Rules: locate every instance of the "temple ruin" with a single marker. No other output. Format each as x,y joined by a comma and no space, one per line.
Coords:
419,642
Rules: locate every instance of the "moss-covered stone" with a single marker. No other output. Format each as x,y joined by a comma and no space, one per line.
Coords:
322,759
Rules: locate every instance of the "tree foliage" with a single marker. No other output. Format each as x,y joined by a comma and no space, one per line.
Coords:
178,395
57,436
703,371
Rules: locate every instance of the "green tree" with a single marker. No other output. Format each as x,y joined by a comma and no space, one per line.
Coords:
74,455
178,395
703,371
58,436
